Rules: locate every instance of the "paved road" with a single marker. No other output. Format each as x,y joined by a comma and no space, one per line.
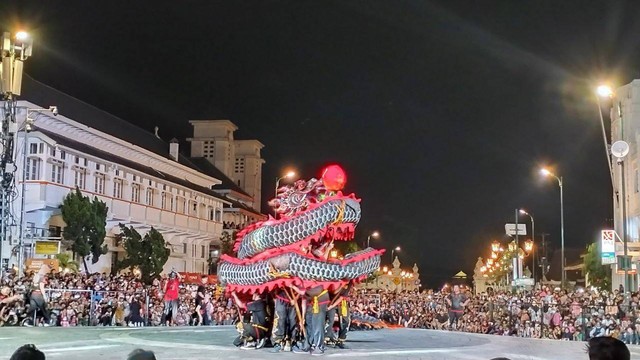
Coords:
215,343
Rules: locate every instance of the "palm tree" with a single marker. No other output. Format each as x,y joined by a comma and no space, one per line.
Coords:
65,262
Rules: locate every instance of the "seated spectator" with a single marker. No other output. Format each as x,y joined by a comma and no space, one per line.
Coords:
27,352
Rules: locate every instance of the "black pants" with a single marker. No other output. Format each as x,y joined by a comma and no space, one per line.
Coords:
315,327
343,323
253,332
284,321
36,302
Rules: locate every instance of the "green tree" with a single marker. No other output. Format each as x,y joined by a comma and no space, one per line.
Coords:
86,221
148,254
599,275
66,262
346,247
227,240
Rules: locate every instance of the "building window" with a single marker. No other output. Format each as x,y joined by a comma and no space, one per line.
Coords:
149,197
167,201
135,193
208,149
33,148
212,214
81,161
184,248
218,216
203,251
33,169
180,205
52,151
79,179
117,188
98,185
239,165
63,155
193,208
57,174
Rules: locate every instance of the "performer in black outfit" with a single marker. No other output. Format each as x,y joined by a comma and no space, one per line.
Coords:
284,322
253,334
314,307
339,306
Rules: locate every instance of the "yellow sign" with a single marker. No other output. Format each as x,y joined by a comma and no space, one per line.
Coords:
47,247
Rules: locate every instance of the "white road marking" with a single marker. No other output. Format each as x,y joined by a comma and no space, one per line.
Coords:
363,353
77,348
6,338
126,339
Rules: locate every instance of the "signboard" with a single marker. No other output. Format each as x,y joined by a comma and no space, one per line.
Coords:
510,229
632,271
608,247
34,265
523,282
47,247
196,278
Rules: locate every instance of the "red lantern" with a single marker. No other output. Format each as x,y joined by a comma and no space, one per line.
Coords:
334,178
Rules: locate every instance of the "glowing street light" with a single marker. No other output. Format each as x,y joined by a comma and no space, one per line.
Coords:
495,246
288,175
604,91
393,251
22,35
528,246
374,235
548,173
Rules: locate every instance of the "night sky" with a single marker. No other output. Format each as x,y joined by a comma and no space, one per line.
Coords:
440,112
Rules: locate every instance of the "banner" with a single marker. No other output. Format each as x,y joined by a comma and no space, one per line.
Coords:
608,247
34,265
47,247
195,278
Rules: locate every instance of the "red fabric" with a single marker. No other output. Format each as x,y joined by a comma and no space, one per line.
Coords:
173,287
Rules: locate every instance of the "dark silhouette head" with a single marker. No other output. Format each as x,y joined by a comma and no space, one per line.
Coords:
139,354
27,352
607,348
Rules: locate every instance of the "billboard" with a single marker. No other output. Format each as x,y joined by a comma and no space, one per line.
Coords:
608,247
47,247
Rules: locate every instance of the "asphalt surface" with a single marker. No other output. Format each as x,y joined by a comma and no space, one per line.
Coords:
215,343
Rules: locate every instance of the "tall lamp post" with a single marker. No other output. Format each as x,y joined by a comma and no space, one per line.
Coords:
288,175
14,51
396,249
548,173
605,91
374,235
533,237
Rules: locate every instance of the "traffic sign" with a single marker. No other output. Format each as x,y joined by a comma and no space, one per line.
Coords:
510,229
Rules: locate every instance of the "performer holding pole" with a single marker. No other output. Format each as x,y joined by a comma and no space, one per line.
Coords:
315,305
253,335
340,307
284,321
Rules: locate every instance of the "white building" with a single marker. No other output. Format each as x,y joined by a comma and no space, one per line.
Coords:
625,125
143,180
238,163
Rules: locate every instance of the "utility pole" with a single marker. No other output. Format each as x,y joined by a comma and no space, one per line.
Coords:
545,258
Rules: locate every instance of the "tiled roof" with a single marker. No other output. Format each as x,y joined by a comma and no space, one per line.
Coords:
89,115
92,151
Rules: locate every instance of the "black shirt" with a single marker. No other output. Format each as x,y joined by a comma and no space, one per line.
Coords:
200,298
258,312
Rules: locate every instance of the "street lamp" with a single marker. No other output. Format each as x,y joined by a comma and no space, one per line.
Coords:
548,173
14,51
533,237
605,91
495,246
374,234
393,251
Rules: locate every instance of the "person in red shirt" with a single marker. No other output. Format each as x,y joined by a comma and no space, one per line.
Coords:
171,293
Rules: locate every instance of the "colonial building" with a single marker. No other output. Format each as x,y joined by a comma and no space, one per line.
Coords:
625,125
143,179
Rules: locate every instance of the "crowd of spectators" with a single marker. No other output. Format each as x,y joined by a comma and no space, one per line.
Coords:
546,313
122,300
101,299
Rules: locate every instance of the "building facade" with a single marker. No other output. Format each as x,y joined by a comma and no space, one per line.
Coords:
144,181
625,125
